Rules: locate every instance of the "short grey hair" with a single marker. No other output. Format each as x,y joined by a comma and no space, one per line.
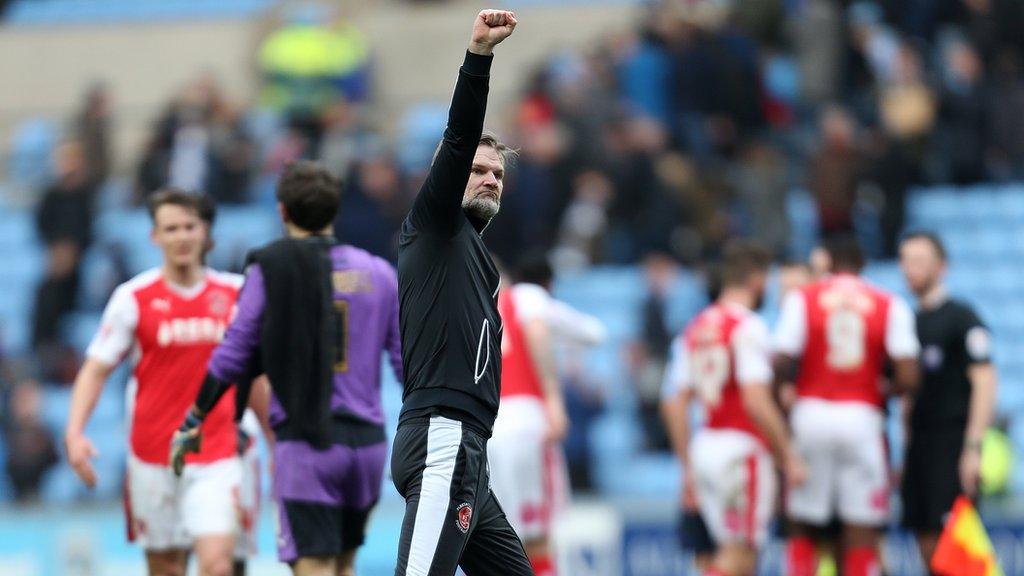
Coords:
507,154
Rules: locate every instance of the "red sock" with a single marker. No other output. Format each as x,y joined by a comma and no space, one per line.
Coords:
802,556
861,562
542,565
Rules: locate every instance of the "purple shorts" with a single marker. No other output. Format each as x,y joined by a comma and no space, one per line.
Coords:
324,497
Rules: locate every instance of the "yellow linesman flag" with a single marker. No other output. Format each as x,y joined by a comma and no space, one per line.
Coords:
964,548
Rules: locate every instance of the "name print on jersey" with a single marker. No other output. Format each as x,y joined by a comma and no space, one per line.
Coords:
190,331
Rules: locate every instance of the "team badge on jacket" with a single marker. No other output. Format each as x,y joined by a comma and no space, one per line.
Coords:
465,514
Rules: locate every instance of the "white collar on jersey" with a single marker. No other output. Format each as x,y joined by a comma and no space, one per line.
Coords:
189,292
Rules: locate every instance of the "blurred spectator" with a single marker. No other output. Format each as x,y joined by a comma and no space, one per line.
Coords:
583,404
189,137
55,296
151,173
293,145
65,212
231,157
1006,123
584,222
373,206
537,189
761,180
92,126
836,171
895,154
31,449
963,101
715,80
906,103
64,224
199,144
702,223
646,358
994,27
642,213
343,138
643,70
817,33
308,63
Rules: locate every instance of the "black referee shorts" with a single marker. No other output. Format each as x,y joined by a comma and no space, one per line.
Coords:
451,517
931,478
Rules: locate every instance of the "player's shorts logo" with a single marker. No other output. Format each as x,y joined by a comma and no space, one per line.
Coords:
465,514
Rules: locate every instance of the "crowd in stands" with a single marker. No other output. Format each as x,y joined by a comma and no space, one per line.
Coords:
652,146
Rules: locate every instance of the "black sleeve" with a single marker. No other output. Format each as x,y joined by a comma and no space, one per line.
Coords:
210,393
977,339
438,206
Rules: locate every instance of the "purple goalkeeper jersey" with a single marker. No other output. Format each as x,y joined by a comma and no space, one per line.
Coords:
365,296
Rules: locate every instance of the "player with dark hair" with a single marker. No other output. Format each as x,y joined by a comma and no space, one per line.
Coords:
835,336
315,317
528,471
169,319
956,400
723,359
254,417
451,342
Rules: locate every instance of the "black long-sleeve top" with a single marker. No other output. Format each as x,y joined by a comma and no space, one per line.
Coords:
448,284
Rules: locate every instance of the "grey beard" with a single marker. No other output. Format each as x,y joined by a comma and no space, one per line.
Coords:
480,208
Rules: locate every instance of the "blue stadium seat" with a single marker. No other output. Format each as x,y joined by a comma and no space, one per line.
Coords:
56,403
1011,385
1010,202
264,126
80,327
886,275
62,486
29,162
97,279
803,219
239,229
420,129
130,230
23,270
641,475
115,194
17,227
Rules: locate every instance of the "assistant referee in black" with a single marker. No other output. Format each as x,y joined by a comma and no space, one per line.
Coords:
955,401
451,343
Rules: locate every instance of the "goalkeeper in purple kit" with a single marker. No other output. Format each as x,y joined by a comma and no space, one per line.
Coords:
315,317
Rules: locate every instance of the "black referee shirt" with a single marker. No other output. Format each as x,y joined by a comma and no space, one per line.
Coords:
448,284
952,339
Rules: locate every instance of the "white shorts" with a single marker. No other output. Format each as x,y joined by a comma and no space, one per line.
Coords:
248,504
168,512
528,476
736,485
843,445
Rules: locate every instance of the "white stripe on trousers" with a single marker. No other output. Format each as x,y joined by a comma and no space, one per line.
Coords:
444,437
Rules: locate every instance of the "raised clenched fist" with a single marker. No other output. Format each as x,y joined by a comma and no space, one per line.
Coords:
490,28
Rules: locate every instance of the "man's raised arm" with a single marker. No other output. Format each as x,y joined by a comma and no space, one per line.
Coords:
439,203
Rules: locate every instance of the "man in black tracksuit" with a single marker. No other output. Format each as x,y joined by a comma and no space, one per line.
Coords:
451,343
